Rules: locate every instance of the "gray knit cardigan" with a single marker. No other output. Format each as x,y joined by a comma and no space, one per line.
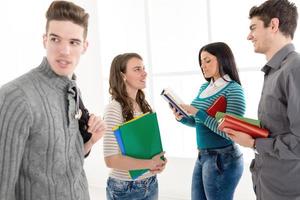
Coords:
41,149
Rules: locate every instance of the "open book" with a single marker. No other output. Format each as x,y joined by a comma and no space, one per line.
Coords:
174,101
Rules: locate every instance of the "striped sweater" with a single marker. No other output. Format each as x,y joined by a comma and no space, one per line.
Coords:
208,135
41,149
113,117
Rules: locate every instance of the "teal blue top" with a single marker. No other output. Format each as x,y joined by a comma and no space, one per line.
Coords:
208,135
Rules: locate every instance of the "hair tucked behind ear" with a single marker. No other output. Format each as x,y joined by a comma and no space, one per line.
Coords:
117,87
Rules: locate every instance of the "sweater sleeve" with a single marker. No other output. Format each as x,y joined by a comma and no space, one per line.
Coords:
235,104
15,124
188,121
191,121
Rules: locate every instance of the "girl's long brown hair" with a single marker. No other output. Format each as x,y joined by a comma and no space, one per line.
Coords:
117,87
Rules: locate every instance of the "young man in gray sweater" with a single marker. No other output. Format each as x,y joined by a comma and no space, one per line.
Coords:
41,148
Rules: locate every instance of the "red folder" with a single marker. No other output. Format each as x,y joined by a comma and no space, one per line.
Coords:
219,105
239,125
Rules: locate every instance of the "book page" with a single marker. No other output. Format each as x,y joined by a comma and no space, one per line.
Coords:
172,95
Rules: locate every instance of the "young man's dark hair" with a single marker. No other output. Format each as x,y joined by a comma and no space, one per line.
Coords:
284,10
67,11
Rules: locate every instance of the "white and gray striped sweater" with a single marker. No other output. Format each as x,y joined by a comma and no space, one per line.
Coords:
113,117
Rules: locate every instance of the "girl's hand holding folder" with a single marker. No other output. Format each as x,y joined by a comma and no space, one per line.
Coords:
158,163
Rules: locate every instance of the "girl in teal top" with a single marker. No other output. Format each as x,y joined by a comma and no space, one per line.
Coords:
208,135
219,165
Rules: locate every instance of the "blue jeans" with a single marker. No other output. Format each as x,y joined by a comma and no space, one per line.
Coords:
217,173
145,189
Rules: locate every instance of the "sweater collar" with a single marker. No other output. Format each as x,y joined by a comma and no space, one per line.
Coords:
61,82
220,81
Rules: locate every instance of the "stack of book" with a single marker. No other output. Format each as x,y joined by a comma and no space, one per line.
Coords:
247,125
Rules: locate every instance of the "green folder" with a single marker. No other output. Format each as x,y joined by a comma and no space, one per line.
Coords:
139,138
254,122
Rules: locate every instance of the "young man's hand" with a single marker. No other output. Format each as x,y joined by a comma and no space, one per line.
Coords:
97,127
239,137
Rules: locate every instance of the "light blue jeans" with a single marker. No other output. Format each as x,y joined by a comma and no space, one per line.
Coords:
217,173
145,189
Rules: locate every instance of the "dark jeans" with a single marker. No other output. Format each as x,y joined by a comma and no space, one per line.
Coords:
217,173
145,189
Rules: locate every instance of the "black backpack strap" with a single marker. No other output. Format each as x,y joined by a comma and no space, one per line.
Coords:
83,123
